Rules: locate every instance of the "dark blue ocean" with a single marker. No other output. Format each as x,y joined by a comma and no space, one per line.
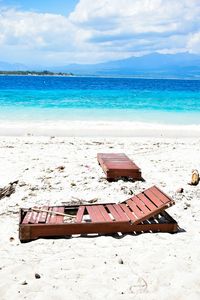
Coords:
96,98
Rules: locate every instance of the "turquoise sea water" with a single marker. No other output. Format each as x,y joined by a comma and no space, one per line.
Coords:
88,98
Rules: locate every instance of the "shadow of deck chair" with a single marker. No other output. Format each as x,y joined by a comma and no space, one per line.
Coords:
118,165
144,212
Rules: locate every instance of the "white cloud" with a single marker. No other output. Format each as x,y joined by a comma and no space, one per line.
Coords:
34,29
100,30
194,43
139,25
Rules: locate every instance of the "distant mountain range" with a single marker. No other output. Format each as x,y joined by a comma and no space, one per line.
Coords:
153,65
5,66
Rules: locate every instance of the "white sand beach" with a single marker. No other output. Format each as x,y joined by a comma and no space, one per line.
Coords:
146,266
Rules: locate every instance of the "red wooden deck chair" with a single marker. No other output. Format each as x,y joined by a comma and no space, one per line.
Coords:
144,212
116,165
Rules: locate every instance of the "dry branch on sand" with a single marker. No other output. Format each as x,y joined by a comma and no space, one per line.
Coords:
8,190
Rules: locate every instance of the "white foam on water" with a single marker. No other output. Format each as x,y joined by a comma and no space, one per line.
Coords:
98,128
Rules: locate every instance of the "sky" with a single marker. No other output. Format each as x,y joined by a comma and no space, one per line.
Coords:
60,32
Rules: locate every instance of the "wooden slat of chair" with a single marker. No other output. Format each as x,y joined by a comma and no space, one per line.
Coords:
38,217
60,219
138,213
53,217
128,212
114,213
94,214
80,213
153,198
120,165
104,213
141,205
146,201
119,210
27,217
115,158
98,213
101,216
111,155
43,214
164,198
33,218
49,215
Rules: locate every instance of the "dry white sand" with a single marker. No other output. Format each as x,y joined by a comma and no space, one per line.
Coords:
155,266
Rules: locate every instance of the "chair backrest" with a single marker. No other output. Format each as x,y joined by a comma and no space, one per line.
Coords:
147,204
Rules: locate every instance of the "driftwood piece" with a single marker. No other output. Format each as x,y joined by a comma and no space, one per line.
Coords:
78,201
195,178
52,212
8,190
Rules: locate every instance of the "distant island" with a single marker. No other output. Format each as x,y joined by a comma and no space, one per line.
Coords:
35,73
154,65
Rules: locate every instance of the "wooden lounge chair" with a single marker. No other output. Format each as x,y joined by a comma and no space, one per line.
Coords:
144,212
116,165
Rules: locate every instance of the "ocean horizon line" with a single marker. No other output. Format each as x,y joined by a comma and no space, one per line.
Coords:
146,77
